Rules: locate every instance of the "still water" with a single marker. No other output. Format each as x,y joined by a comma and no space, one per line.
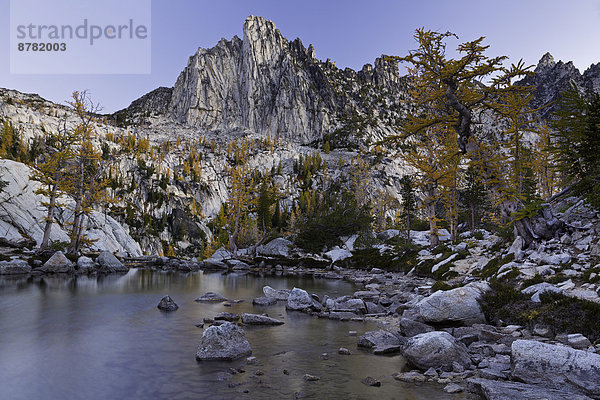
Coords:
103,338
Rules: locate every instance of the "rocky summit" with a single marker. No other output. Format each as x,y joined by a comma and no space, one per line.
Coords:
276,87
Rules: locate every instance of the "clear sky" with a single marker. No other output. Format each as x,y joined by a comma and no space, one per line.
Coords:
350,32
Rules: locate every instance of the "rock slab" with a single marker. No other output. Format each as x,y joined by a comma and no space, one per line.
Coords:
501,390
256,319
556,366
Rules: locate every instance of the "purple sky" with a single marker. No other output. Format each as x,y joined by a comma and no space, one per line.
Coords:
350,32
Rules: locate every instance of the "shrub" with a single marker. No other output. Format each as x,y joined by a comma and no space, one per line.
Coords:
336,214
506,304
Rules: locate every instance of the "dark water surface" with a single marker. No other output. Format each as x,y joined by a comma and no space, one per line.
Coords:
104,338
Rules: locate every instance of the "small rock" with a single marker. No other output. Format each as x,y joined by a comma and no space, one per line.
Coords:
457,367
378,338
431,372
352,333
264,301
436,349
578,341
370,381
85,264
344,351
211,297
537,289
412,376
409,327
167,304
542,330
311,378
227,316
452,388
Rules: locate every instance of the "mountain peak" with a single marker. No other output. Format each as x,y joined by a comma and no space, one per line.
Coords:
545,64
256,27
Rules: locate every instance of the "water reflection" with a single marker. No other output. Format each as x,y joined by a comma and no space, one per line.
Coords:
103,338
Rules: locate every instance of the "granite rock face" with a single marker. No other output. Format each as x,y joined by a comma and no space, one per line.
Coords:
21,211
268,84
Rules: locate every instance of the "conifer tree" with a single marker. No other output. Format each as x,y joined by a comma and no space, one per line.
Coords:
576,142
454,95
86,183
52,172
544,164
409,203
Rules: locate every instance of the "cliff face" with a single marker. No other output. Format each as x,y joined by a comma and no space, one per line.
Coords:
269,85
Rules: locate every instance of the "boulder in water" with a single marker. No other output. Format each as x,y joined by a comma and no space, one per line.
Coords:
167,304
107,262
225,342
14,267
58,263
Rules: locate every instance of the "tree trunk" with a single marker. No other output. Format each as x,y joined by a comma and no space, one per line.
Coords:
541,226
472,217
49,218
434,240
408,228
544,225
75,229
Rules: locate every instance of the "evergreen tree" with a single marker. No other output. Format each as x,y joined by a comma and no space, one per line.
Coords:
544,164
85,183
474,196
52,173
576,142
266,199
409,203
452,95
